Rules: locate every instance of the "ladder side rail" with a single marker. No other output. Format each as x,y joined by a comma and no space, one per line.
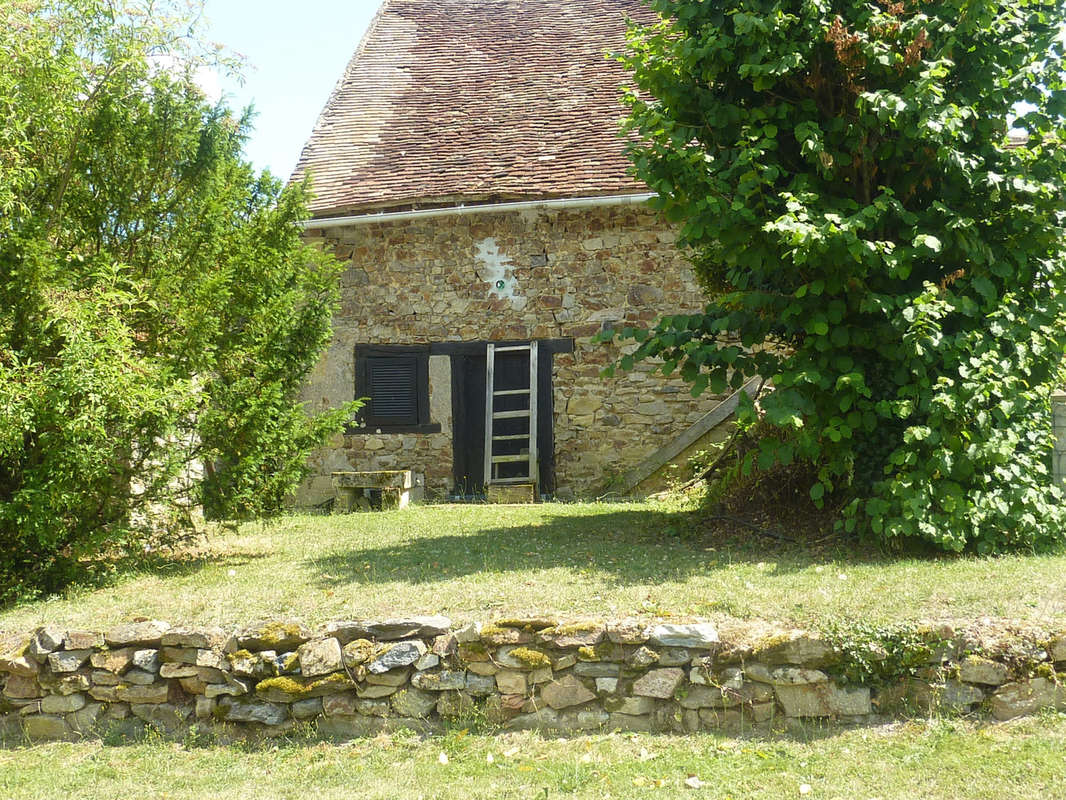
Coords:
534,473
490,367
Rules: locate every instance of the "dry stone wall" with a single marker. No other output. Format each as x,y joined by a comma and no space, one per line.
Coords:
356,678
512,276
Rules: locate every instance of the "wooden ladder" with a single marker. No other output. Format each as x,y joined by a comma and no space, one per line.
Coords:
494,443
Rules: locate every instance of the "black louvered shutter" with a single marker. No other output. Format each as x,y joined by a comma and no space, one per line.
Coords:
393,390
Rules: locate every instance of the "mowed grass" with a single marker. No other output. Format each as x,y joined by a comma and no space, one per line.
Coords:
933,760
482,562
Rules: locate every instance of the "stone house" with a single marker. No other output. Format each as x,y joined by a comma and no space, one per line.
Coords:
468,167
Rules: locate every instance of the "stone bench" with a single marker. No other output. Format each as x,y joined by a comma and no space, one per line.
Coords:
367,490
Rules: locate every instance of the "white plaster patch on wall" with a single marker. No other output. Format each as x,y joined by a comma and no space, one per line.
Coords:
495,268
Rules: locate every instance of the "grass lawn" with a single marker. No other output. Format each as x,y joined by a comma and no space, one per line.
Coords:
485,562
933,760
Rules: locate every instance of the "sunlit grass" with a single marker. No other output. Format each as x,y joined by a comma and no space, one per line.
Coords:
480,562
933,760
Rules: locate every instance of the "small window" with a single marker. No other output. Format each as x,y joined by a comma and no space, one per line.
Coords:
395,382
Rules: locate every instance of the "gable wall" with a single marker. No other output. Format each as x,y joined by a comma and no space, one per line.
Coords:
567,272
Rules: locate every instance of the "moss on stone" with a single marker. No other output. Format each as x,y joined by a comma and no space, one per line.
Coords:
572,627
358,651
240,655
284,684
474,651
586,653
533,659
301,688
1045,671
289,664
530,625
276,633
770,642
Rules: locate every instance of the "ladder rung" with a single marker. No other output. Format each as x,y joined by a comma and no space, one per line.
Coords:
510,414
512,437
520,479
510,459
503,392
514,348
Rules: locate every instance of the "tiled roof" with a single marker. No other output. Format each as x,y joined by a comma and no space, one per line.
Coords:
463,101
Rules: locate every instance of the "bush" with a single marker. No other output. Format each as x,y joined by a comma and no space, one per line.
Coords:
158,309
886,255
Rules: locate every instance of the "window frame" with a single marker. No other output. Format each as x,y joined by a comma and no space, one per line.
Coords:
368,425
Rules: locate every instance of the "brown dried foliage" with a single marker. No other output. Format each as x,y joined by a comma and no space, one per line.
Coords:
848,53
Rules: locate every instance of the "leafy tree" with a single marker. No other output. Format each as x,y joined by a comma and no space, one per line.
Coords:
158,309
874,243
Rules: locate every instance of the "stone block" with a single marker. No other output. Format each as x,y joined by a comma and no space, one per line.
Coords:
277,636
439,681
423,627
659,683
511,682
60,704
146,660
674,657
396,677
480,685
455,704
145,634
627,631
83,640
197,638
238,710
394,656
565,692
43,727
413,702
21,687
697,636
115,661
233,687
69,683
67,660
795,647
205,708
320,657
46,640
983,671
138,677
823,700
153,693
334,704
375,691
168,718
1026,697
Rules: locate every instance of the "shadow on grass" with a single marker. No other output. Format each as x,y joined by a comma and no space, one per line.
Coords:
107,573
628,547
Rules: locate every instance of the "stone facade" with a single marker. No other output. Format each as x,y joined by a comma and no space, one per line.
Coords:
355,678
547,274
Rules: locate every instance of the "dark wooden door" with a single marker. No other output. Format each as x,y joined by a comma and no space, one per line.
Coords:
468,419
